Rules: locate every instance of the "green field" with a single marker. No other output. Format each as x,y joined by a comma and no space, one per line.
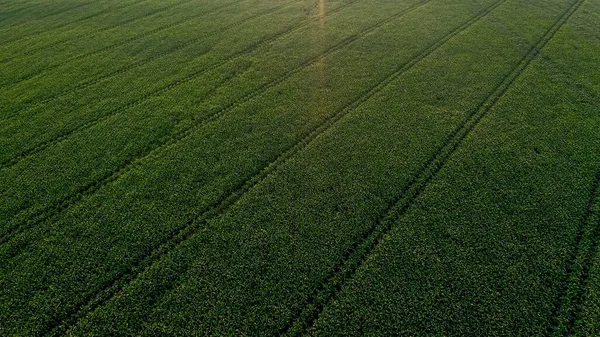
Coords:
299,167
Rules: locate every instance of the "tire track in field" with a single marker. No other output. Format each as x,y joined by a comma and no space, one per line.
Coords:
110,176
220,206
62,205
64,24
24,5
85,84
587,255
14,11
588,264
113,46
173,84
96,31
34,102
569,301
353,259
49,14
107,291
10,7
172,139
89,189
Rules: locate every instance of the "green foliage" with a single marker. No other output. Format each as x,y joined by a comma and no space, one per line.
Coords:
343,167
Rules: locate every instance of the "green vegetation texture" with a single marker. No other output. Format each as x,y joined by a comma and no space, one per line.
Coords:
299,168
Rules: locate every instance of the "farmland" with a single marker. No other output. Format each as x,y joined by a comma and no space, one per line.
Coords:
299,167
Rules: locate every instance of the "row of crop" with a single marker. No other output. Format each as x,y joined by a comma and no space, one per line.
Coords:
15,13
41,44
56,16
137,77
253,268
134,60
134,83
29,66
159,29
349,18
588,313
321,199
10,8
578,312
182,102
484,250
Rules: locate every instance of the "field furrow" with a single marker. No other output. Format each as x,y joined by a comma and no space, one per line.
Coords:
40,45
185,132
22,97
501,264
108,39
571,314
217,135
55,18
211,191
299,167
168,138
34,12
359,252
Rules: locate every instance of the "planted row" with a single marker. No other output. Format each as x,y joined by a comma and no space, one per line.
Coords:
56,16
254,267
104,150
39,80
486,247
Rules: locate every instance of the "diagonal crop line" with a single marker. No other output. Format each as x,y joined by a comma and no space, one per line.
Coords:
33,102
126,68
120,43
567,309
583,285
173,84
222,204
15,6
17,10
50,14
108,291
66,202
172,139
345,270
64,24
89,189
587,255
99,30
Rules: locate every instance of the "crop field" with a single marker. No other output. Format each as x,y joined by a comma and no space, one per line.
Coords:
299,167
